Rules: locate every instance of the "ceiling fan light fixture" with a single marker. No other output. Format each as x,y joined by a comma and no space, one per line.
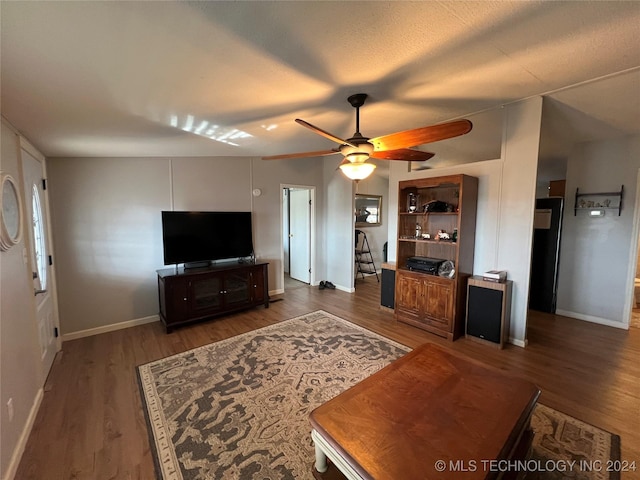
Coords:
361,153
357,157
357,171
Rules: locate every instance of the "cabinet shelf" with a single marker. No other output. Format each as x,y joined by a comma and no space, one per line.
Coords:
421,214
420,240
438,277
604,204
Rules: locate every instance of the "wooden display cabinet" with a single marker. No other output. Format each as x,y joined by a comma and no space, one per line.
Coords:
435,303
196,294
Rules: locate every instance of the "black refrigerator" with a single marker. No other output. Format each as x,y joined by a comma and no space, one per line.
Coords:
545,256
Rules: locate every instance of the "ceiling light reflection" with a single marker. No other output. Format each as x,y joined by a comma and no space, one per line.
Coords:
205,129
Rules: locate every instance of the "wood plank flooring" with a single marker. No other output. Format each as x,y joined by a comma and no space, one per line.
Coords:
91,425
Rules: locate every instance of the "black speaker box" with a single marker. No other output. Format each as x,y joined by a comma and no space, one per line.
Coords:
388,288
488,311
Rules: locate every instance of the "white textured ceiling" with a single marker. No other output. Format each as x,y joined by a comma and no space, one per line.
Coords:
173,78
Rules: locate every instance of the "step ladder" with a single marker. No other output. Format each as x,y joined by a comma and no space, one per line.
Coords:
363,257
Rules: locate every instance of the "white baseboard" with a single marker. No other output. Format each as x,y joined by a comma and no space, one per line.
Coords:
24,436
517,342
109,328
277,291
345,289
592,319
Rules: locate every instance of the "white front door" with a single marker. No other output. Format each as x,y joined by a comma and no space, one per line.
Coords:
300,234
39,246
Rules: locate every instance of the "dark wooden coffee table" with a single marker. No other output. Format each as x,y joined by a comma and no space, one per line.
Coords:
428,406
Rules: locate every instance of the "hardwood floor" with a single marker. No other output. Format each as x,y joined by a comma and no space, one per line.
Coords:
91,425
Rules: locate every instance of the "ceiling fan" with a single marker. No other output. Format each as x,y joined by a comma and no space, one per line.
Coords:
395,146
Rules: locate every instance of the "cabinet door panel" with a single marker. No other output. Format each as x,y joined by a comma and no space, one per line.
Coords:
257,285
438,304
236,288
409,293
205,294
176,300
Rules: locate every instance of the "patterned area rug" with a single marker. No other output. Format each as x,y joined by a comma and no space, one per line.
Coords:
565,447
239,408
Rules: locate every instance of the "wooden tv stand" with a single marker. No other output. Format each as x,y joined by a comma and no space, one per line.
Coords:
200,293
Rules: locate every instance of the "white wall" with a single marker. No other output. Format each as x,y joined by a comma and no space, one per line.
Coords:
269,176
596,253
108,238
21,378
520,149
107,225
506,202
376,236
339,237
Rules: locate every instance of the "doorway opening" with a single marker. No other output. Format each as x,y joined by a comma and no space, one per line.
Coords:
298,235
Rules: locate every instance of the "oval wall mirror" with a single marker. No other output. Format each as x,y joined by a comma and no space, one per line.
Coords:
10,213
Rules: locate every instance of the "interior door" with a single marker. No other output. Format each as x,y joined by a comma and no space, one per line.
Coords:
39,243
300,234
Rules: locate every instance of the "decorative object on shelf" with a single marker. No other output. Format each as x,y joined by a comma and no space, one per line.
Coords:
413,202
495,276
454,237
418,231
442,235
437,206
598,200
447,269
10,213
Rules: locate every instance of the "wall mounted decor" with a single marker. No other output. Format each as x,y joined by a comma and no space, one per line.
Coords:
10,213
368,210
598,202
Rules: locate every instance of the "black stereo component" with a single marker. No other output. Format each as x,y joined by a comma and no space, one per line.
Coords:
425,264
437,206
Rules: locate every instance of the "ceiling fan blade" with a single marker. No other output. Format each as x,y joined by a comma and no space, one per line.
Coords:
422,135
319,153
324,133
403,154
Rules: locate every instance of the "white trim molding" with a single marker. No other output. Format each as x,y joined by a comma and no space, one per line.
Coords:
592,319
24,436
109,328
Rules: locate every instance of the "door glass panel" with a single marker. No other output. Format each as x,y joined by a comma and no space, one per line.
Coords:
237,288
40,252
206,293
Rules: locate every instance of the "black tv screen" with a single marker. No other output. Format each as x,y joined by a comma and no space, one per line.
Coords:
202,236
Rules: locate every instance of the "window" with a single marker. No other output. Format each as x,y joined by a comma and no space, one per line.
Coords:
38,241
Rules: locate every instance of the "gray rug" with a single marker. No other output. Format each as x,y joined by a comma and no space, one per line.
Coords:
239,408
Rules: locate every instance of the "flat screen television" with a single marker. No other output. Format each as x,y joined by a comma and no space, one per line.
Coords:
194,237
